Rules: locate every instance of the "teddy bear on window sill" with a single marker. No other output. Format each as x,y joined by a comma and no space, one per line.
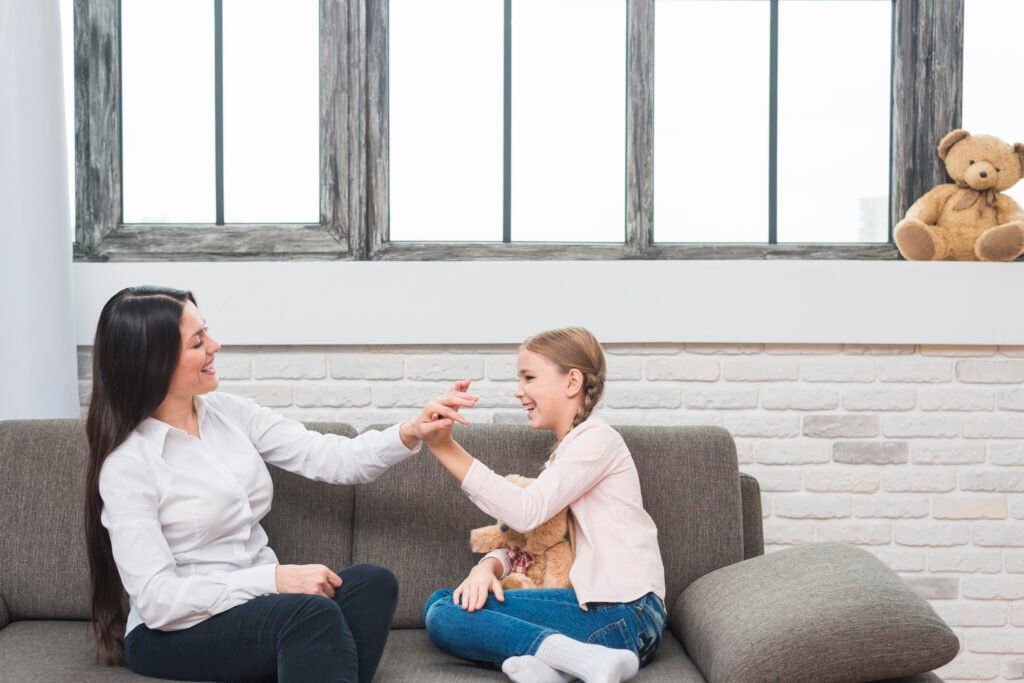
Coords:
540,558
969,219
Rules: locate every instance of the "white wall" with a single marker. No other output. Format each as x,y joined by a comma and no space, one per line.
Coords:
37,362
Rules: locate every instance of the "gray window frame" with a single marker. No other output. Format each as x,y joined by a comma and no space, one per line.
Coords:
926,103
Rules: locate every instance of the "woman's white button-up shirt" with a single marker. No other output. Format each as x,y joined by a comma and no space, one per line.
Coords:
184,513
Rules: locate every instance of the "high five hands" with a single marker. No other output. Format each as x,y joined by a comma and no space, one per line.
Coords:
435,421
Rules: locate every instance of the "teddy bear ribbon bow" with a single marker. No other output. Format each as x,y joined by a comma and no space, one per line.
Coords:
520,560
970,196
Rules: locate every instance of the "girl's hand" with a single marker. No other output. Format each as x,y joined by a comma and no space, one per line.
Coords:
434,423
312,579
472,593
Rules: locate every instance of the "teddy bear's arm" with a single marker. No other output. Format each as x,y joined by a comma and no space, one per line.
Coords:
1008,210
929,207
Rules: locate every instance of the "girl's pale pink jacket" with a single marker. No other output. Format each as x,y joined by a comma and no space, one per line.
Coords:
592,472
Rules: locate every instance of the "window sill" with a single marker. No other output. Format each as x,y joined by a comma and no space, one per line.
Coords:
429,302
205,243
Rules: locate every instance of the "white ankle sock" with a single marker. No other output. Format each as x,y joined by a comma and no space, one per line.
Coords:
529,669
592,663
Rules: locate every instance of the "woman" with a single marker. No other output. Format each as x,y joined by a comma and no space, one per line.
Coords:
176,488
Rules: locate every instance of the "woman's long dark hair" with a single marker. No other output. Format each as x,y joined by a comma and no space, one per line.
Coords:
138,341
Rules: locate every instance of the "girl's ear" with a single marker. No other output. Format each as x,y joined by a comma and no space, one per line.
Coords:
574,383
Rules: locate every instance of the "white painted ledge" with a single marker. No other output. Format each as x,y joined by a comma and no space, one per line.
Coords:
501,302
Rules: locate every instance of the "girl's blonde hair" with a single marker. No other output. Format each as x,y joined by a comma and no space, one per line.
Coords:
574,347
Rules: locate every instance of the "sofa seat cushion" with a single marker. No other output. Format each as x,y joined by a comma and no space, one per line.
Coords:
822,612
47,651
410,656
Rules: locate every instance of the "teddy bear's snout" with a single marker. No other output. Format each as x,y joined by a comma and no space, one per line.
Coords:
981,175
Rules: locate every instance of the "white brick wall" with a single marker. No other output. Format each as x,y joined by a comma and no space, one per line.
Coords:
914,453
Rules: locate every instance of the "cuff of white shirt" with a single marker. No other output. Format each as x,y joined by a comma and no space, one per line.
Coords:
501,555
394,434
475,477
254,581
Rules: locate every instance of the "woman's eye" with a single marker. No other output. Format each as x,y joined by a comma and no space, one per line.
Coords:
197,345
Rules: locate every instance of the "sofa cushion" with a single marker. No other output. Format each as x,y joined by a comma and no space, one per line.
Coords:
48,651
310,522
410,656
415,521
822,612
44,573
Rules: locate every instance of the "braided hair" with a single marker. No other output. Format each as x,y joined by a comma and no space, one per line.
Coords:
574,348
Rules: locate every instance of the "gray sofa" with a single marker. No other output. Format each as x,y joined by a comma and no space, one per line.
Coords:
413,520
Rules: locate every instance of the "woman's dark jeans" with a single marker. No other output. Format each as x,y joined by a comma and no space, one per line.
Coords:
286,637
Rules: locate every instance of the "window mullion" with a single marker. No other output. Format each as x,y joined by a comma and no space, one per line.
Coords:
773,124
927,94
97,48
218,106
639,125
506,176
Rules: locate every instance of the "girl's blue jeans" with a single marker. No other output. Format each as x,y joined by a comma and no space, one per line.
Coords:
500,630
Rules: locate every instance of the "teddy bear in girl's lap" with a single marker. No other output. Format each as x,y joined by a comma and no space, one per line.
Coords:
540,558
969,219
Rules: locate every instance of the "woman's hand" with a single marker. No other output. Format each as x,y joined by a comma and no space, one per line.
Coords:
434,423
313,579
472,593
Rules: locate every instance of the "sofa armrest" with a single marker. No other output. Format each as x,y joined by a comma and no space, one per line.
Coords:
5,616
753,519
822,612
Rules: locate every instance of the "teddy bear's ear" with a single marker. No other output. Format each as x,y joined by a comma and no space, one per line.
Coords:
951,139
1018,148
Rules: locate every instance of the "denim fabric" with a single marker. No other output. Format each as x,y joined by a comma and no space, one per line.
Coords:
286,637
517,626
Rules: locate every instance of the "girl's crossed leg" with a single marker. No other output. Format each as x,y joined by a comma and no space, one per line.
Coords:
518,626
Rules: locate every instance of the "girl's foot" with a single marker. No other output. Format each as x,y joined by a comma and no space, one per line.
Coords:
529,669
592,663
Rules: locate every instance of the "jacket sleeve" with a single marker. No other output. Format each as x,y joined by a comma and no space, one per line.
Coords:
164,599
584,463
501,555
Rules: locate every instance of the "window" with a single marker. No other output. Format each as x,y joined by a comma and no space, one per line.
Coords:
991,105
439,142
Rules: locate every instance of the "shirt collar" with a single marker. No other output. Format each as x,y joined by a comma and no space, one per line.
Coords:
156,431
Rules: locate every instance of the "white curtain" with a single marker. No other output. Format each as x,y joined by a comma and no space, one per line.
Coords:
38,376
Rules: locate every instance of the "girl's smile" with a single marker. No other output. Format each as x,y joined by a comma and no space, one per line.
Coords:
550,396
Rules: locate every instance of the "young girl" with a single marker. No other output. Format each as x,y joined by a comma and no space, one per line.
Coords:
611,622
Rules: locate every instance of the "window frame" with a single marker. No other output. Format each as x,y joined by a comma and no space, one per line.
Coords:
926,99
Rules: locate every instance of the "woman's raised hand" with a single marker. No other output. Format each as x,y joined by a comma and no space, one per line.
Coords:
472,593
435,421
313,579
